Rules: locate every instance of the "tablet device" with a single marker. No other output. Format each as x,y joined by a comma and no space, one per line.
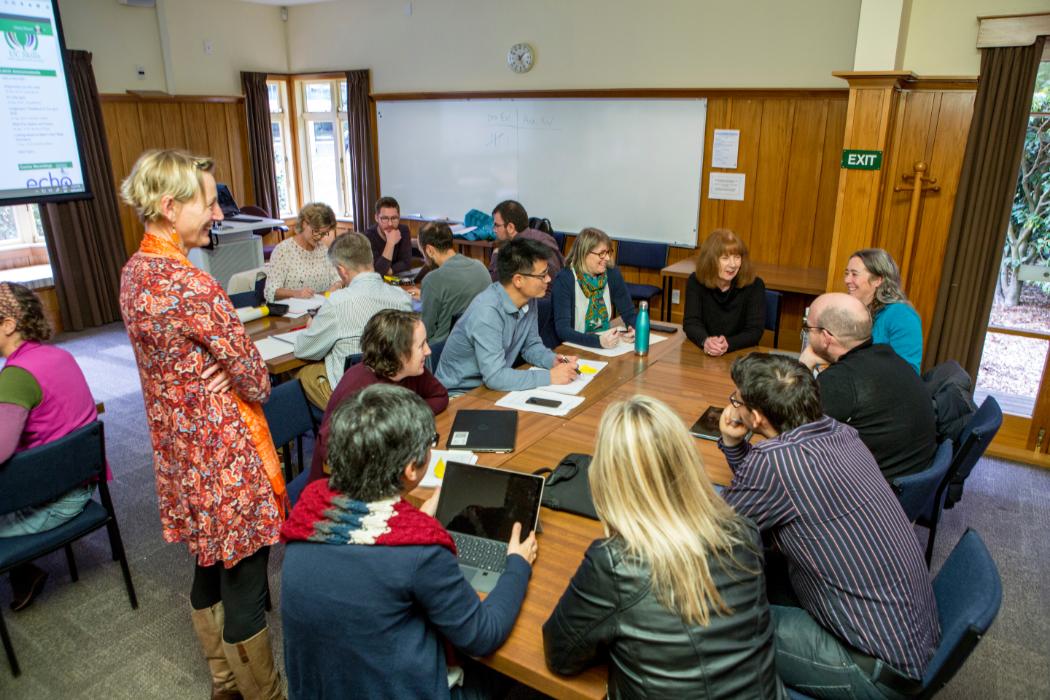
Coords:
706,426
483,431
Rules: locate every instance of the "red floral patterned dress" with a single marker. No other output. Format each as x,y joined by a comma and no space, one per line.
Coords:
212,463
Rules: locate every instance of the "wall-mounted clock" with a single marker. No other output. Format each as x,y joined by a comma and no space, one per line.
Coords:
520,58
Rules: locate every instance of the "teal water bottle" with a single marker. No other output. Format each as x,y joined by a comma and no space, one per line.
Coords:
641,330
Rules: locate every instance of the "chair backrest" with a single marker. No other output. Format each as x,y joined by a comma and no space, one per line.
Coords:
253,210
351,360
245,281
545,323
973,441
919,492
559,238
42,474
773,299
435,355
648,256
288,412
968,592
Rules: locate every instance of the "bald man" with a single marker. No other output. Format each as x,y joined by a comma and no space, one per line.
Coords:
869,386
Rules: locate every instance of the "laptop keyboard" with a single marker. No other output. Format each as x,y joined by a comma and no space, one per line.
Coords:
484,554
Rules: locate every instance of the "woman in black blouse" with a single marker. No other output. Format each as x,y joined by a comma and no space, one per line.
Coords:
724,300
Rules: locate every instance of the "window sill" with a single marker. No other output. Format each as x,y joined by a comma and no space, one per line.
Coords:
33,276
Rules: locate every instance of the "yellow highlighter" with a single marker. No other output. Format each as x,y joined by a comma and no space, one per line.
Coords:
587,369
439,469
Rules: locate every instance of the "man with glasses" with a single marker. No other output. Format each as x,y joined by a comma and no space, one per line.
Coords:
500,324
390,239
510,221
854,614
869,386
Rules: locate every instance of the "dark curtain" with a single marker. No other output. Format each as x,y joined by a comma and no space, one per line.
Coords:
84,239
260,142
982,207
364,190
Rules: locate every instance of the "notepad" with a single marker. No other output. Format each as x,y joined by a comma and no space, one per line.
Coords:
298,307
436,466
519,400
621,349
271,348
588,370
288,337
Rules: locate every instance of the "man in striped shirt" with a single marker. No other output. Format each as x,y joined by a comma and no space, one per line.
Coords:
865,621
336,331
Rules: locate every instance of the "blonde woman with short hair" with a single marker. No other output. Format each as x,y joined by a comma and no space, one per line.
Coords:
674,597
299,266
219,483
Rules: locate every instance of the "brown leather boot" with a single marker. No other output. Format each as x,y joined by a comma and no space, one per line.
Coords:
207,623
252,665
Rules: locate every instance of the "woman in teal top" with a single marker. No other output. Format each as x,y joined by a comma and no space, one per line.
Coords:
873,277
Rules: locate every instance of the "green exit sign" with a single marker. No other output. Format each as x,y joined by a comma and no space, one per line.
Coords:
861,160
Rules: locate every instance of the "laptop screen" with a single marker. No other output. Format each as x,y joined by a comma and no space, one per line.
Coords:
487,502
226,202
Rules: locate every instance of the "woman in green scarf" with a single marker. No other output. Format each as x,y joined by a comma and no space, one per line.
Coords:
589,292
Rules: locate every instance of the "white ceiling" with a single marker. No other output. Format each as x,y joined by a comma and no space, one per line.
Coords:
286,2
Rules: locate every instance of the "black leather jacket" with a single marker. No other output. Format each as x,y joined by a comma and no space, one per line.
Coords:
609,612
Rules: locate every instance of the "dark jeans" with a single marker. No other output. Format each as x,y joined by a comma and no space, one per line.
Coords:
481,683
813,661
242,590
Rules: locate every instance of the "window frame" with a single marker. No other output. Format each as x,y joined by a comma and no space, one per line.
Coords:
283,120
29,232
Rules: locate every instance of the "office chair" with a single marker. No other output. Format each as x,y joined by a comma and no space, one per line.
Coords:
645,256
968,592
973,441
773,300
289,417
435,355
922,494
42,474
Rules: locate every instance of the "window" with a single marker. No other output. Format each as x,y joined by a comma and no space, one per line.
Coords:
20,225
318,153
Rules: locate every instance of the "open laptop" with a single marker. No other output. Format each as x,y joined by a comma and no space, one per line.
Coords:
478,507
483,431
230,210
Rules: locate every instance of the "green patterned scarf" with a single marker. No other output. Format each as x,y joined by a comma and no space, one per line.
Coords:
593,287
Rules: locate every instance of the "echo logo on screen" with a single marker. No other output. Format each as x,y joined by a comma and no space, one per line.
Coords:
51,181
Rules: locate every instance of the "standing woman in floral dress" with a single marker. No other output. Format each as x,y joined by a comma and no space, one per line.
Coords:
219,483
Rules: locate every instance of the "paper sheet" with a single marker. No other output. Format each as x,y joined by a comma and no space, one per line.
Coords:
459,229
436,468
288,337
298,307
270,348
588,370
621,349
724,148
519,400
726,186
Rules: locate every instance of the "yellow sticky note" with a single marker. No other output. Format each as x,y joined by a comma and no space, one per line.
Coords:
587,369
439,469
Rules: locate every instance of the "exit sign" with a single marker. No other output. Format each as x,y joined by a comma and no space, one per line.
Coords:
861,160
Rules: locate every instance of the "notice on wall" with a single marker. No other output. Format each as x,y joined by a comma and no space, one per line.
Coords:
725,148
726,186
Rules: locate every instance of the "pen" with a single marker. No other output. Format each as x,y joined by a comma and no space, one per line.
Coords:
563,359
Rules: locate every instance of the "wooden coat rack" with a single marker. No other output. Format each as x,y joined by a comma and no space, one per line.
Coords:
921,184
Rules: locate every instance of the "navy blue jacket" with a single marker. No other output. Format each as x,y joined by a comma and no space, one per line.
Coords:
365,621
563,301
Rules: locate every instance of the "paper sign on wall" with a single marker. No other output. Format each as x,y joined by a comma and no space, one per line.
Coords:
725,148
726,186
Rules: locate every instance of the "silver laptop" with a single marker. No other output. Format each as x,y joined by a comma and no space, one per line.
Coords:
478,507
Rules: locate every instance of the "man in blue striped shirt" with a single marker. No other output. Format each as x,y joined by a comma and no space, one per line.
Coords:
865,621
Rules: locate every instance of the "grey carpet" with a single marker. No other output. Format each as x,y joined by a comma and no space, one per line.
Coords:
83,640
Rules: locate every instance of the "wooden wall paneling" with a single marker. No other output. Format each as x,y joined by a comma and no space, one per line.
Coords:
803,168
945,155
196,137
711,210
124,133
218,144
916,117
771,178
237,153
746,115
827,190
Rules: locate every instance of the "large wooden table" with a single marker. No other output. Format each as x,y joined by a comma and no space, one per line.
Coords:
782,278
677,373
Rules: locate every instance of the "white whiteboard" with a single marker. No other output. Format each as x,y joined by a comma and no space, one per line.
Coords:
630,167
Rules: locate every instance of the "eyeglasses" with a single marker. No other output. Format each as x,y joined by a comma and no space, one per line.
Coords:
390,219
538,275
602,254
737,403
496,225
434,441
318,235
806,329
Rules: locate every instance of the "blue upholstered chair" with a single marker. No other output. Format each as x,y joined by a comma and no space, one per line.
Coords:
773,300
42,474
289,416
645,256
973,441
922,494
435,355
969,592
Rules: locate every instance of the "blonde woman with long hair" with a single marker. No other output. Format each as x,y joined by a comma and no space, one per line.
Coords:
675,595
